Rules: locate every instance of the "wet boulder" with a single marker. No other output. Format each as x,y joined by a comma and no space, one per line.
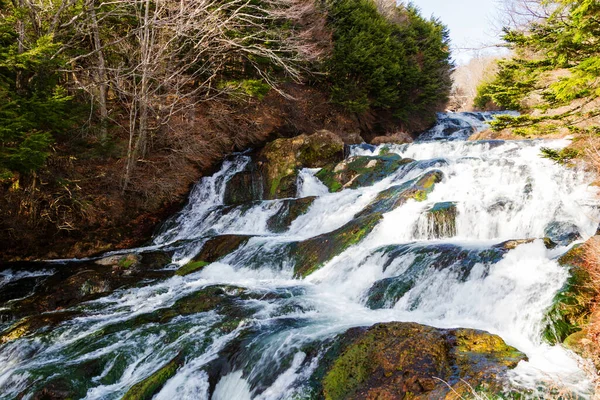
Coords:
35,324
562,233
311,254
289,211
280,160
359,171
400,360
396,196
73,282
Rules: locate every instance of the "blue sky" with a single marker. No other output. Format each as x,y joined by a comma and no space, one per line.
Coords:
470,22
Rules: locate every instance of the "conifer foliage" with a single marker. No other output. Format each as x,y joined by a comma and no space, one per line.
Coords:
399,61
567,39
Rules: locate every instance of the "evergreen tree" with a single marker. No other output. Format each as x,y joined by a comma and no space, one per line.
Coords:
400,63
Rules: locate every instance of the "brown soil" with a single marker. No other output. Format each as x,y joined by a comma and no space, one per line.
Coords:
76,208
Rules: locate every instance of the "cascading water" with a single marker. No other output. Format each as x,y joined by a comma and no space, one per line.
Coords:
259,340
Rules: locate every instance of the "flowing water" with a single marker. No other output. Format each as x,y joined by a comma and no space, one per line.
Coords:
265,339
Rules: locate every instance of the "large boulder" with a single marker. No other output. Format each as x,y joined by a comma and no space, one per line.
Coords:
280,160
244,187
359,171
401,360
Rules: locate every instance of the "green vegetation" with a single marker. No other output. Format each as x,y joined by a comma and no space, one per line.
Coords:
34,107
147,388
399,62
556,61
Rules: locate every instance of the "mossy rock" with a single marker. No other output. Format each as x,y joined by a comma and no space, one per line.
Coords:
191,267
442,219
281,160
395,196
289,211
577,342
218,247
147,388
313,253
407,360
360,171
513,244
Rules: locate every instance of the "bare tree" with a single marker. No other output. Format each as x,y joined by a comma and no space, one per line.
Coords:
519,14
182,47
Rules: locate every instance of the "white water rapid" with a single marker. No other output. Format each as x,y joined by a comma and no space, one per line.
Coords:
501,190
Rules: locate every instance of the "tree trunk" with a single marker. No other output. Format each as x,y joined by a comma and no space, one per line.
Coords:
101,72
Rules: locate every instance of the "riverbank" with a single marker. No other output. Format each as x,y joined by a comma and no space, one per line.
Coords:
76,208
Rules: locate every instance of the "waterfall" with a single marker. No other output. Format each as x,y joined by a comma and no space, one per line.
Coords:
265,338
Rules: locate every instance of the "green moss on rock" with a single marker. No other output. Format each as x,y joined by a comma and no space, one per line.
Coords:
409,360
191,267
147,388
360,171
281,160
396,196
312,253
572,305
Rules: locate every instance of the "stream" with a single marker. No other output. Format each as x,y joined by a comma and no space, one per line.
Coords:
265,337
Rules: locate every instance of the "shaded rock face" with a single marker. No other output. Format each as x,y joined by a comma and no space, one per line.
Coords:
407,360
281,159
244,187
219,246
359,171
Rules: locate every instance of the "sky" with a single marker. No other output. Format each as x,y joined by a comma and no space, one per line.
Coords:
471,24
